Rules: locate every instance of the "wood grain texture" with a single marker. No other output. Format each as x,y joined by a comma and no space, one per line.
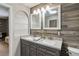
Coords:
4,25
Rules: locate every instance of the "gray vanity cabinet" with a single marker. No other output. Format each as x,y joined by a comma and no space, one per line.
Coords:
33,49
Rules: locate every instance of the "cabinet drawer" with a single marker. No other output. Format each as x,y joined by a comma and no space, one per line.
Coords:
41,49
33,53
50,53
25,42
33,48
53,50
40,53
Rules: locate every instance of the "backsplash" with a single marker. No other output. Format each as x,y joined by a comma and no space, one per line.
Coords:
70,25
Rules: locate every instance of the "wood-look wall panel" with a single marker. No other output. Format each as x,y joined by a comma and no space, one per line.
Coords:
4,25
68,7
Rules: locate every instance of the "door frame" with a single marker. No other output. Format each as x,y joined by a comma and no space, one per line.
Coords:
10,26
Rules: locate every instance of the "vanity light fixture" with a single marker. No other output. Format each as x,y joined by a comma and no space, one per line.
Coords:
42,10
36,11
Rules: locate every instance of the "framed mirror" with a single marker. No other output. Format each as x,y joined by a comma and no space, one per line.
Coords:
52,18
36,21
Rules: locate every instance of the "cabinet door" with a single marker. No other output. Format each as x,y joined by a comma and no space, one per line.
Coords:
41,50
23,49
32,49
27,50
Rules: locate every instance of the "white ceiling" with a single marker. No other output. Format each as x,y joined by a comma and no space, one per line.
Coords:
30,5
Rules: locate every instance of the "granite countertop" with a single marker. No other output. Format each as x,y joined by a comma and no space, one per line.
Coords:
54,43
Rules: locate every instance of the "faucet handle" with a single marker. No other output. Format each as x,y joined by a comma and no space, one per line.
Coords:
59,33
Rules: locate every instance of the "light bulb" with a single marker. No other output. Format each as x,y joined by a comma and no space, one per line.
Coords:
47,7
34,12
42,9
38,10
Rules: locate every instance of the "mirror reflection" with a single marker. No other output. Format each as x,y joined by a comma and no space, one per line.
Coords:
51,17
35,21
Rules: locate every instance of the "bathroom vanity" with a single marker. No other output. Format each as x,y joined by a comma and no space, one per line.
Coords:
36,46
49,19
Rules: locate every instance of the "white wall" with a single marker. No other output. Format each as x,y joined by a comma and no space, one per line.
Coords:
3,11
20,26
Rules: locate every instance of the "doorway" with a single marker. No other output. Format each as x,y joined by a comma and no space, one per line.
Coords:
5,30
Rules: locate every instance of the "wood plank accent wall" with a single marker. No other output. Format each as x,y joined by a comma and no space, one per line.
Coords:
4,25
70,25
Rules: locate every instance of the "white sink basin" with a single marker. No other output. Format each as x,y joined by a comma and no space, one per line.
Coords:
48,41
31,38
